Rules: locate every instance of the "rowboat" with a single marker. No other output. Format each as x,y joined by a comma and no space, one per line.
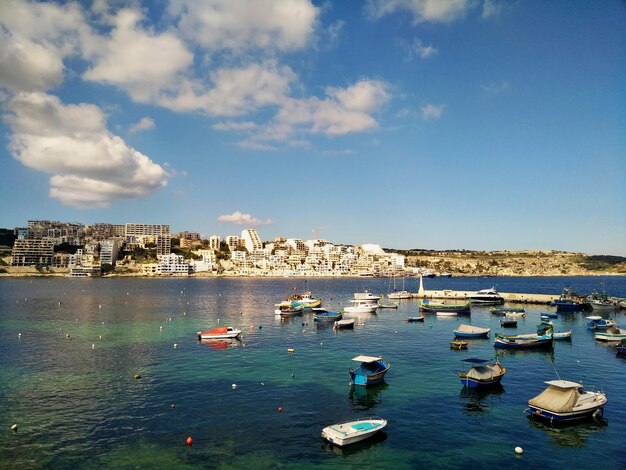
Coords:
427,306
371,371
326,315
598,323
482,375
515,314
219,333
415,319
343,434
621,348
541,340
611,334
508,323
289,311
564,401
562,335
344,324
458,345
549,315
469,331
505,310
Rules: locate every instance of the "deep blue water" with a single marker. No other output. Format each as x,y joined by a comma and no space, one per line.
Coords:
81,407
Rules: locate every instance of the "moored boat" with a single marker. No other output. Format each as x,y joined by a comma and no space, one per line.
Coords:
344,324
427,306
482,375
361,306
508,323
541,340
399,294
621,348
343,434
469,331
366,295
304,300
505,310
562,335
289,311
569,301
486,297
549,315
515,314
371,371
415,319
610,334
222,332
326,316
458,344
564,401
596,322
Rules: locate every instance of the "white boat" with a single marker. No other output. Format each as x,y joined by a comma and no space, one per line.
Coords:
446,314
399,294
515,314
612,333
361,306
350,432
469,331
222,332
562,335
603,305
565,401
366,295
486,297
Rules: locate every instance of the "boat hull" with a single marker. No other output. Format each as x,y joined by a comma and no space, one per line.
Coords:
525,345
574,416
568,306
460,334
206,335
479,384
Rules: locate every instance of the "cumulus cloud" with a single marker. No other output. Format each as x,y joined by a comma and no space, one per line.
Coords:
441,11
144,124
423,50
491,9
91,166
238,25
431,112
234,126
239,218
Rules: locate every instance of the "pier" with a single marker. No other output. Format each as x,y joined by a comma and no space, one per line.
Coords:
508,296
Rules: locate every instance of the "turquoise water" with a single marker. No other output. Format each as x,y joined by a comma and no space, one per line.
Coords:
81,407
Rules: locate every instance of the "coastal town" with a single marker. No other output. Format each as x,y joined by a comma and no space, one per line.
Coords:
47,247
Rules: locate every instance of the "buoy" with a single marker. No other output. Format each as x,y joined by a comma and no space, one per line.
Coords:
99,305
173,405
14,428
67,335
519,450
280,409
103,323
262,383
19,335
136,376
260,327
234,386
290,350
93,346
189,441
100,337
293,375
175,345
321,344
161,328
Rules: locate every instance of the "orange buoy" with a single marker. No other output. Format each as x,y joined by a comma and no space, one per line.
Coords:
280,409
189,441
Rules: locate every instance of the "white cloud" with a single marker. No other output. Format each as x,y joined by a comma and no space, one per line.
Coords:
491,9
234,126
142,63
238,25
496,87
238,218
432,111
91,166
144,124
422,50
443,11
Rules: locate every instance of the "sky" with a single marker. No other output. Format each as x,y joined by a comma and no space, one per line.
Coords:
435,124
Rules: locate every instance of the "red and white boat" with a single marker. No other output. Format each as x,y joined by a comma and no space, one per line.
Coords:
222,332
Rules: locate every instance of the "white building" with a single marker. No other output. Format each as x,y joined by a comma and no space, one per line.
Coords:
172,264
109,251
251,240
233,242
214,242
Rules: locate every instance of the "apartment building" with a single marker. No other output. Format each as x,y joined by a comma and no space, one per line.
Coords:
251,240
160,234
33,251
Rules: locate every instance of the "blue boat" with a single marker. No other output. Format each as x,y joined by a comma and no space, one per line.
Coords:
543,339
570,302
549,315
469,331
482,375
371,371
564,402
598,323
621,348
326,315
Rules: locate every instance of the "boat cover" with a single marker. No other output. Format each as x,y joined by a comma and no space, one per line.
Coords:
221,330
366,359
484,372
556,399
471,329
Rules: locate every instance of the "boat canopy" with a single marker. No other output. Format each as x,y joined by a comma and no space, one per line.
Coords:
367,358
218,331
484,372
471,329
560,397
594,317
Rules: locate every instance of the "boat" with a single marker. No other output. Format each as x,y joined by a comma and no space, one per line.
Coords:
289,311
444,275
371,371
392,305
361,306
508,323
344,324
221,332
598,323
350,432
610,334
428,274
549,315
399,294
541,340
458,344
621,348
304,300
505,310
482,375
427,306
415,319
562,335
327,315
601,301
486,297
469,331
515,314
366,295
564,401
569,301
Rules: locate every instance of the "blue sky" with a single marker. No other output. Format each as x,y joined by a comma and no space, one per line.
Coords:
451,124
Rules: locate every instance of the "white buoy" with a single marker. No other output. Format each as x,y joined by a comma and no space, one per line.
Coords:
100,337
99,305
234,386
19,334
161,328
175,345
93,346
519,450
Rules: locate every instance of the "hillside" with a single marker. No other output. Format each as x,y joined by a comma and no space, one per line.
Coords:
515,263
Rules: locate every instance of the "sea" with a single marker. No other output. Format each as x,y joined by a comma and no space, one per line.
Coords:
109,373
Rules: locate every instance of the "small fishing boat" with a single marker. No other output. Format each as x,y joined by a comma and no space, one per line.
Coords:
469,331
366,295
326,316
508,323
610,334
601,301
353,431
344,324
362,306
391,305
415,319
486,297
427,306
541,340
549,315
564,401
458,345
289,311
399,294
515,314
304,300
505,310
570,302
562,335
482,375
222,332
598,323
621,348
371,371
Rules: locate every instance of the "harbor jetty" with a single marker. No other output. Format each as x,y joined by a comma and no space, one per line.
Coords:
457,295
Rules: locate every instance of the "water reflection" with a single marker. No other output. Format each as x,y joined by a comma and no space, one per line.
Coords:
357,447
477,402
365,398
221,343
570,435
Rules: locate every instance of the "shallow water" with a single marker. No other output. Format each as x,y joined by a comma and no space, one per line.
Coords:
81,407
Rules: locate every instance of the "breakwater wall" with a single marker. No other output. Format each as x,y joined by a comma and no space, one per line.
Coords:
508,296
